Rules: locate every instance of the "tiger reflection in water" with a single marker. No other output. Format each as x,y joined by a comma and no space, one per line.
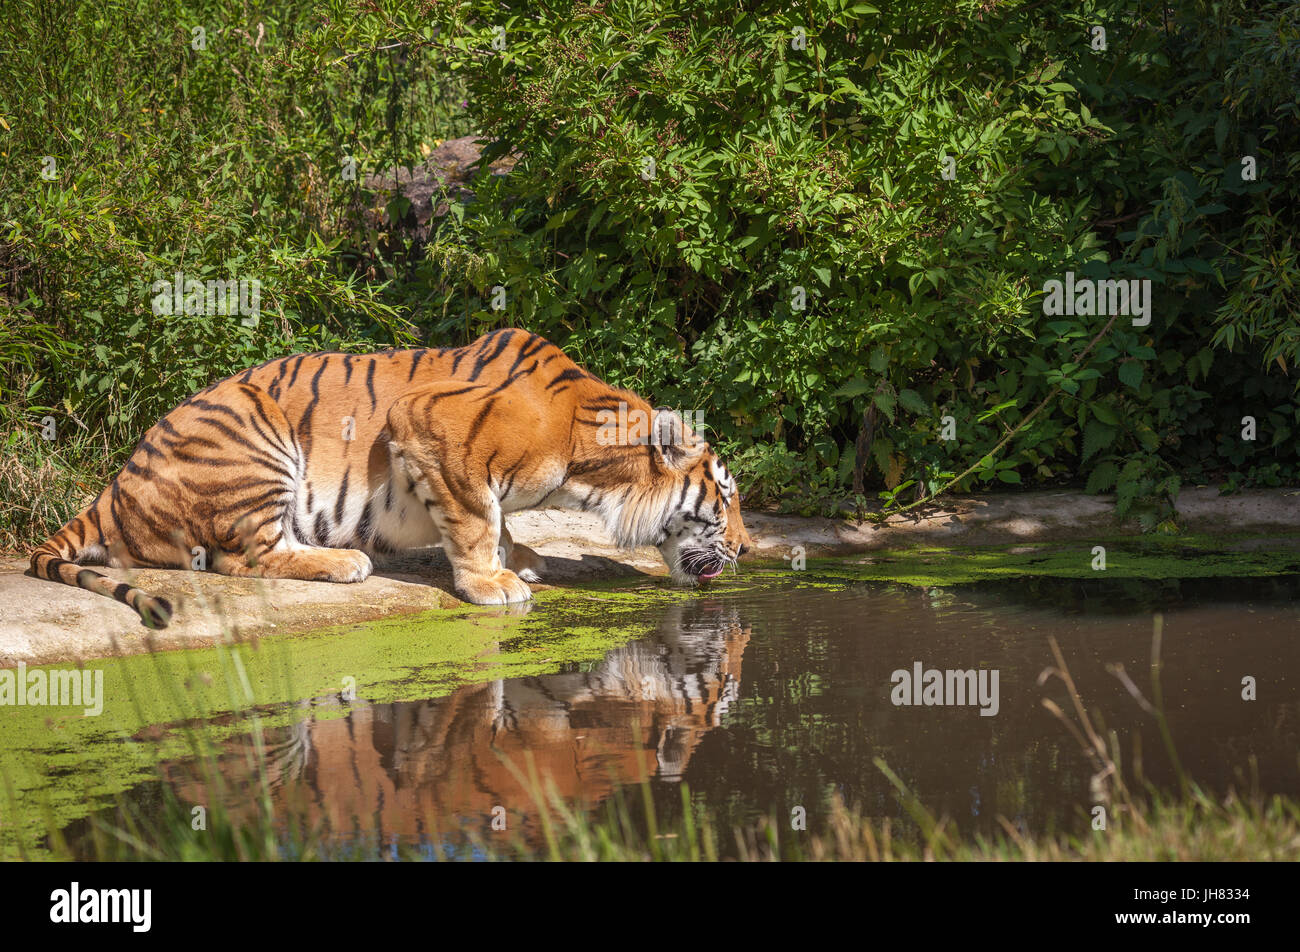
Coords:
410,769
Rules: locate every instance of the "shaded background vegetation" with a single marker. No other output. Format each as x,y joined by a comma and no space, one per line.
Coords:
774,168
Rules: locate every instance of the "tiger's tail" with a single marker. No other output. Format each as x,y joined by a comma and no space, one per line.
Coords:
56,561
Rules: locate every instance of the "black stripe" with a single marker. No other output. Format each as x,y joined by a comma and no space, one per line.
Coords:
230,434
216,408
435,397
50,570
573,373
509,476
478,420
271,438
253,530
528,350
343,495
196,441
364,527
124,526
512,378
582,467
415,362
258,502
502,343
304,422
258,454
605,403
258,408
205,460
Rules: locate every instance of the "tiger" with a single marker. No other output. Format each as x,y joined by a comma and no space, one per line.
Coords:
305,466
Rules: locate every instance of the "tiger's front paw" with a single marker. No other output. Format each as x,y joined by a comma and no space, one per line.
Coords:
494,588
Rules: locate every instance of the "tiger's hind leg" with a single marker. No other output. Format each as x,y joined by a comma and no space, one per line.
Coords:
246,517
519,558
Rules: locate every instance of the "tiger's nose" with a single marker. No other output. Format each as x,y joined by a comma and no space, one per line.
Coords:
742,550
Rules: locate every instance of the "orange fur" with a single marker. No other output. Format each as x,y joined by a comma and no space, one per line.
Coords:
302,466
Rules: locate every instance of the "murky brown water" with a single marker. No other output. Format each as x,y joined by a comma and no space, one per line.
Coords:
764,700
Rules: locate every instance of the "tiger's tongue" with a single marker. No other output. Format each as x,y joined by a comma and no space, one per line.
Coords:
714,574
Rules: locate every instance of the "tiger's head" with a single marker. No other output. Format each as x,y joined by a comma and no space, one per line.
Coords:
701,531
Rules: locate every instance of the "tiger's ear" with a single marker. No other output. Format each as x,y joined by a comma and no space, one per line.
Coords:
668,435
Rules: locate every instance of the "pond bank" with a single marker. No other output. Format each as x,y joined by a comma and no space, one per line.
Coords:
44,623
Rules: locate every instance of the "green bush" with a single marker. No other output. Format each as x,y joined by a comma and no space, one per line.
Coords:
777,167
689,175
135,148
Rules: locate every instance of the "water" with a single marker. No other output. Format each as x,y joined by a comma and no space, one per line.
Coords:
764,698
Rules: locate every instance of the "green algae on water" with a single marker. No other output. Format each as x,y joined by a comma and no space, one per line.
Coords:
59,765
1151,558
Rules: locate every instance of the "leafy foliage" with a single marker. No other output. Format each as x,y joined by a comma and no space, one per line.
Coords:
686,169
130,156
828,227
